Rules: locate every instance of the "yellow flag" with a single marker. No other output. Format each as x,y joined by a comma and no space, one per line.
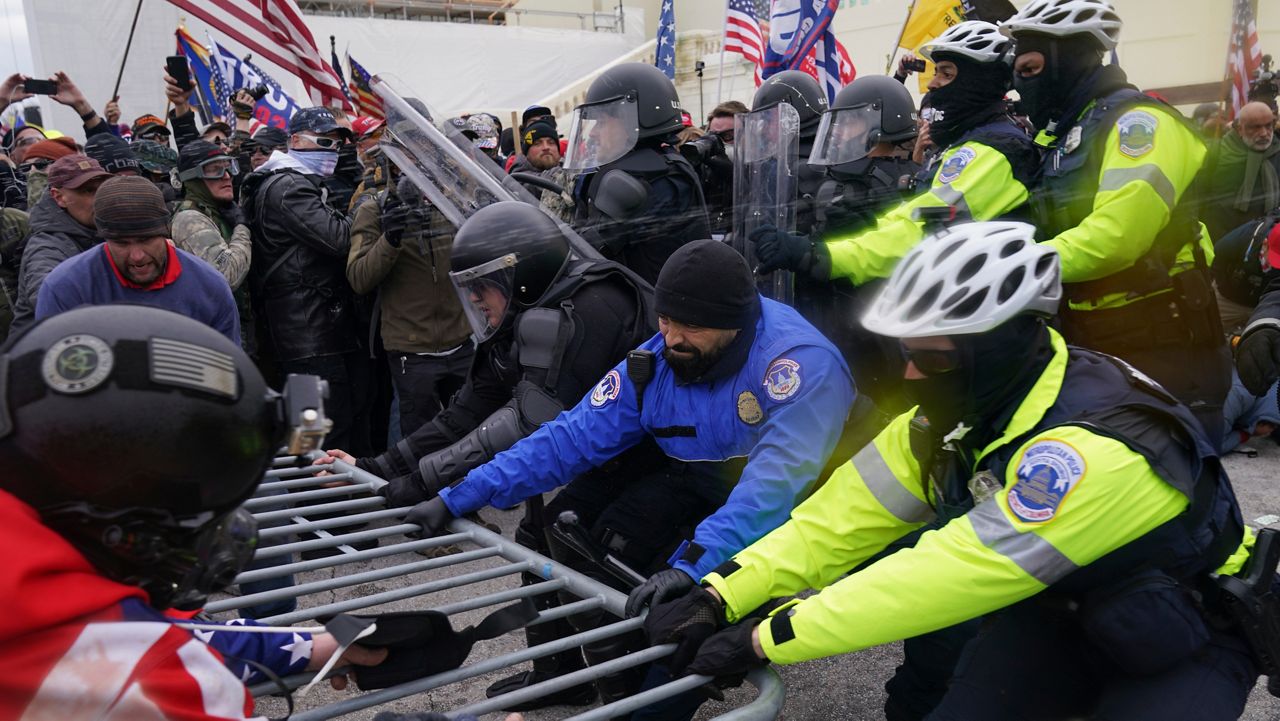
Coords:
928,19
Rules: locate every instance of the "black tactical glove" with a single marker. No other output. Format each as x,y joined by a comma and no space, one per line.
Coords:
406,490
1258,359
395,218
728,655
688,621
780,250
233,214
432,515
661,587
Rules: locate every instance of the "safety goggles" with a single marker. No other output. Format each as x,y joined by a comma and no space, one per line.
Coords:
322,142
933,362
211,169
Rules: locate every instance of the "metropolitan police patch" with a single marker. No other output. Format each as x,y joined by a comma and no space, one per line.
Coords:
955,165
782,379
607,389
1047,472
1137,133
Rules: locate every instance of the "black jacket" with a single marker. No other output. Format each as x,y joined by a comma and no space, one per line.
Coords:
607,323
298,275
55,236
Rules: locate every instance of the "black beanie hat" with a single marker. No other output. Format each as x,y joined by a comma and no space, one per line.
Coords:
112,153
537,130
707,283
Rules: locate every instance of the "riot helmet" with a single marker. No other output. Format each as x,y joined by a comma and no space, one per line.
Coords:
627,104
872,109
136,433
799,90
505,258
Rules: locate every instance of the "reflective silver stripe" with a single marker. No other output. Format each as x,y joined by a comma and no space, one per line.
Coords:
1151,174
887,489
1032,553
951,196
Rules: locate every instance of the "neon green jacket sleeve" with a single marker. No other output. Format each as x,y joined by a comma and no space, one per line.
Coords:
975,178
1139,186
985,560
874,499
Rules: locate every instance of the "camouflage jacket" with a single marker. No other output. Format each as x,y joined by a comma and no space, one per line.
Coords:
200,235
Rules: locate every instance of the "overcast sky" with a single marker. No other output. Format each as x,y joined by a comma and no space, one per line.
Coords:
16,56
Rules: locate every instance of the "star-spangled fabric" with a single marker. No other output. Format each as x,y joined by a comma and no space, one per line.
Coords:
665,52
283,653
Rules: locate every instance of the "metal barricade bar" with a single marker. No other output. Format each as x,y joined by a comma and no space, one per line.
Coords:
313,508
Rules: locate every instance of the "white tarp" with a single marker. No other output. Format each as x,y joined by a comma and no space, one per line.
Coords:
456,66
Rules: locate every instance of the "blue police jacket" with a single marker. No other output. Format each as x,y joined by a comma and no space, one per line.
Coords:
783,411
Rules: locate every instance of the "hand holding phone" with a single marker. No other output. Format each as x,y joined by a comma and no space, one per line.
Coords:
40,87
176,66
916,66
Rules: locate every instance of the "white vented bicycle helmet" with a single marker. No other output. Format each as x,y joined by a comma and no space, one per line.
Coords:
972,39
1061,18
967,279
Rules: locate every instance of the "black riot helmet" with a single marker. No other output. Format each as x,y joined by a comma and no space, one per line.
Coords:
136,433
871,109
627,104
797,89
505,258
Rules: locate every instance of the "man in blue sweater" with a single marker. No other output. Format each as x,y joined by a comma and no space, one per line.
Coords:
138,264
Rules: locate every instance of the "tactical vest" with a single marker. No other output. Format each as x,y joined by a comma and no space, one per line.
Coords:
1001,134
854,194
1069,184
647,164
1109,398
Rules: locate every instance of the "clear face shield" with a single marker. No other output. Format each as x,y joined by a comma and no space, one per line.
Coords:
846,135
485,291
602,132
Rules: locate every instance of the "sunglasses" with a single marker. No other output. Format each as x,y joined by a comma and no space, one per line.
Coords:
39,164
265,149
933,362
322,142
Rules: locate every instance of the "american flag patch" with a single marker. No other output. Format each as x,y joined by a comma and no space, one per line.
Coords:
185,365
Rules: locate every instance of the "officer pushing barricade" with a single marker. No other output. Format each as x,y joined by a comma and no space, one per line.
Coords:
719,424
1083,511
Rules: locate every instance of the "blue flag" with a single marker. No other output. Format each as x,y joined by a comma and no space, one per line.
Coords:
207,98
665,57
230,74
795,28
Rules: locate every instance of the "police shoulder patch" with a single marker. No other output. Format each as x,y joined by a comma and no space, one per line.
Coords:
1137,133
782,379
1047,472
955,165
607,389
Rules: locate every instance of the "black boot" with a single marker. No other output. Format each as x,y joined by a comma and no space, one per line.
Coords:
546,667
620,684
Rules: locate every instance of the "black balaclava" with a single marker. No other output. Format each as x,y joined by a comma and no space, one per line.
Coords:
975,94
1068,62
996,368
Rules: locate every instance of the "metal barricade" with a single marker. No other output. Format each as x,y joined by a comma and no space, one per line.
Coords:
293,500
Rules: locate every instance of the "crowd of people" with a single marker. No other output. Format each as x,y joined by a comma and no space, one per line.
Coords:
985,416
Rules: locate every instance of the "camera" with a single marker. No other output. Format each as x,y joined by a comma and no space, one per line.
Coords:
258,91
302,407
699,151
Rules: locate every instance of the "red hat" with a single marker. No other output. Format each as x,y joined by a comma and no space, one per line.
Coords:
1273,246
364,124
72,171
51,149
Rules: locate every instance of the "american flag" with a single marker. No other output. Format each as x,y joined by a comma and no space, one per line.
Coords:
274,30
1244,56
367,103
742,33
665,57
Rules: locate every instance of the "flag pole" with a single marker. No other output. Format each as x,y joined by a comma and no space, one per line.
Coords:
724,34
888,63
115,93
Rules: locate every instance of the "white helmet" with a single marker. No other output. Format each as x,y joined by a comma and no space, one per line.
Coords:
967,279
1061,18
972,39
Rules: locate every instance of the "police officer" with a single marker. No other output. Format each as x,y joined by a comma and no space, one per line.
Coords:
984,170
1081,505
104,539
799,90
637,199
547,326
744,400
1112,200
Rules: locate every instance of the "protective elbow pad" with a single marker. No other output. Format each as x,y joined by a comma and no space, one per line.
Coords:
528,409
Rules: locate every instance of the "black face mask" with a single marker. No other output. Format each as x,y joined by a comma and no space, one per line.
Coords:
990,377
975,94
1068,63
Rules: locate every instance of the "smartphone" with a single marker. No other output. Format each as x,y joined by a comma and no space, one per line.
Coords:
40,87
176,66
916,65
